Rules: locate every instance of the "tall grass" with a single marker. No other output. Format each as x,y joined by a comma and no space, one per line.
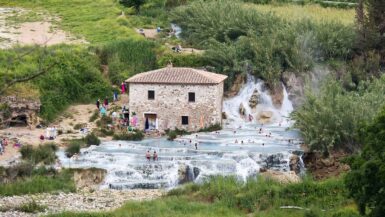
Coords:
294,13
226,196
241,39
62,181
125,58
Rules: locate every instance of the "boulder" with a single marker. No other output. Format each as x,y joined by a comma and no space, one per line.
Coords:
281,177
265,116
295,164
187,173
242,109
89,178
254,99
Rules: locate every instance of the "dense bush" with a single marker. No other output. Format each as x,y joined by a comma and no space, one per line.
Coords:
92,139
366,181
31,207
172,134
72,149
137,135
181,60
43,153
211,128
333,117
241,39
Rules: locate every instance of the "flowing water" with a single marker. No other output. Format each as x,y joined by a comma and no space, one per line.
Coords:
240,149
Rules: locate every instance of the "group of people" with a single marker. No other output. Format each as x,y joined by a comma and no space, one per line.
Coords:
154,156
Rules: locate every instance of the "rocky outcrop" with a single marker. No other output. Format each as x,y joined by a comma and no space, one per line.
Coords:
187,173
276,93
281,177
295,164
254,99
265,117
237,85
242,110
325,167
89,179
295,87
18,111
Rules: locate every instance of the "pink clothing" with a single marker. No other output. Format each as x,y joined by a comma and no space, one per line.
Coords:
123,88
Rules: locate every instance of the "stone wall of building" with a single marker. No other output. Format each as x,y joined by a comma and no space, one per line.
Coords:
171,103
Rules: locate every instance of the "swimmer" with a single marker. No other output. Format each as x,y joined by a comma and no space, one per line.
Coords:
196,146
263,144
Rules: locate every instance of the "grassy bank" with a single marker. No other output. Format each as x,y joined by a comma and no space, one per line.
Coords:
97,21
229,197
40,183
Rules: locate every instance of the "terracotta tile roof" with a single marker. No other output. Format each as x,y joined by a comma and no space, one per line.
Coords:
177,75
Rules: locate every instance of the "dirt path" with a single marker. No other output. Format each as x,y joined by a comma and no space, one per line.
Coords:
31,33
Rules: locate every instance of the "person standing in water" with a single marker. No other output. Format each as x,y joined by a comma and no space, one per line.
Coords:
148,155
155,156
196,146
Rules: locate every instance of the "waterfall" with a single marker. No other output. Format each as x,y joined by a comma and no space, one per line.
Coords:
265,104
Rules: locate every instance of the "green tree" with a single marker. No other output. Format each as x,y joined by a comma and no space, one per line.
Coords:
366,181
133,3
370,18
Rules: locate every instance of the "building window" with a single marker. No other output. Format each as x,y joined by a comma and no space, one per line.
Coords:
151,94
191,97
184,120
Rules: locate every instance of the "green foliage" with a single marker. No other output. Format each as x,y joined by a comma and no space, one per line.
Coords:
172,134
125,58
241,39
73,75
31,207
43,153
137,135
62,181
370,26
332,118
366,181
94,116
104,121
91,139
181,60
227,196
211,128
133,3
94,20
72,149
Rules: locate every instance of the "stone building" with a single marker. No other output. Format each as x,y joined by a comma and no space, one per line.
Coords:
175,97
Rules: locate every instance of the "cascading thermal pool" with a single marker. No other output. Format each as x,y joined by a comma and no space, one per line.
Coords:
241,149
